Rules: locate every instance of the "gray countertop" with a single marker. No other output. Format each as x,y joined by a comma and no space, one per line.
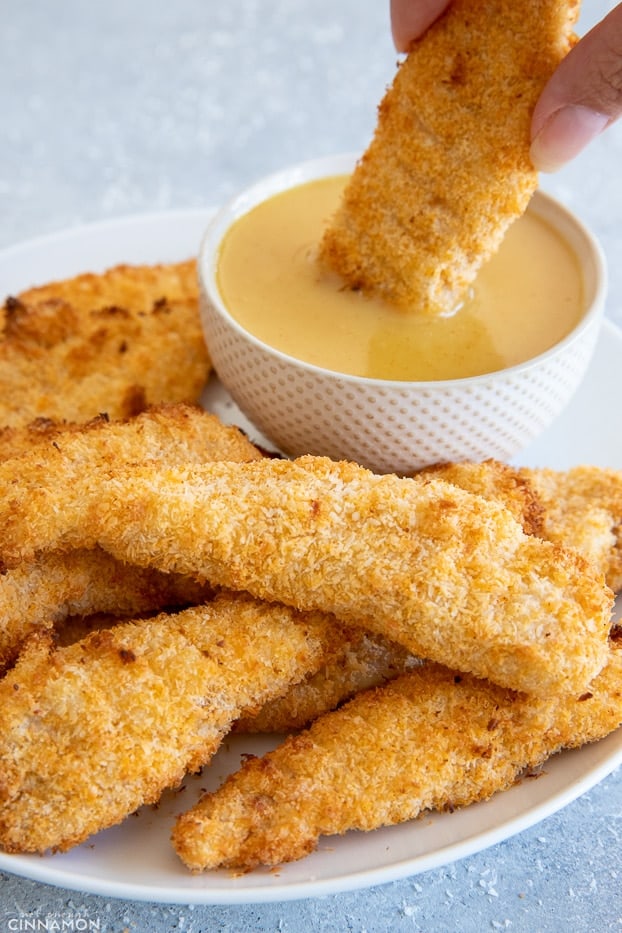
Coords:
112,108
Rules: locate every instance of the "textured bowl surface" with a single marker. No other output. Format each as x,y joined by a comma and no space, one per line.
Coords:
384,425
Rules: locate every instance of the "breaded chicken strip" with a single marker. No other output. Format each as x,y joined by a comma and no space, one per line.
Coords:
448,168
582,507
46,588
579,508
39,594
432,739
16,441
122,286
498,481
368,661
115,342
583,510
447,574
92,731
363,661
47,486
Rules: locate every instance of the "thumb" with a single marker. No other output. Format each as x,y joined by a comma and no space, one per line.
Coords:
583,96
411,18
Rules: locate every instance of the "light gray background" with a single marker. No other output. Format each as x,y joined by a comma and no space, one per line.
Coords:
112,107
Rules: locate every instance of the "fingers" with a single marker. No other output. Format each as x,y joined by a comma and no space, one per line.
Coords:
582,98
411,18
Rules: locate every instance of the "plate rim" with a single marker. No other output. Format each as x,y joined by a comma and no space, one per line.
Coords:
93,226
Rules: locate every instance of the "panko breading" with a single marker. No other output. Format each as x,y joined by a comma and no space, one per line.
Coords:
16,441
579,508
47,587
115,343
92,731
432,739
41,487
448,168
583,511
582,507
498,481
122,286
449,575
39,594
364,661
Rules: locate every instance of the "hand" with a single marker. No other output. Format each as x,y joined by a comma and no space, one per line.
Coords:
582,98
411,18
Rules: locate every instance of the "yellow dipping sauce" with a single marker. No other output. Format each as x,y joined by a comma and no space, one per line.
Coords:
526,298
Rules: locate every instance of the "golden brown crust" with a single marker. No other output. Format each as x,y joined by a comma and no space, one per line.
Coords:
115,343
16,441
44,588
40,594
579,508
122,286
447,574
499,482
363,661
41,487
448,169
582,508
428,740
92,731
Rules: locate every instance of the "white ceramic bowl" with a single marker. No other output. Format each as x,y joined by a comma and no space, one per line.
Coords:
385,425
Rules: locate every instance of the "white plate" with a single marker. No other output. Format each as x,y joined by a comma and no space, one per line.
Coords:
135,860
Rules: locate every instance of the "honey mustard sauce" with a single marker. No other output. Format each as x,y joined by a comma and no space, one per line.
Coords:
525,299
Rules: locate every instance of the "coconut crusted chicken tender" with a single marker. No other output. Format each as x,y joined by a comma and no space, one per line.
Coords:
432,739
448,575
582,507
47,485
498,481
46,586
115,342
41,594
367,660
448,168
362,662
91,731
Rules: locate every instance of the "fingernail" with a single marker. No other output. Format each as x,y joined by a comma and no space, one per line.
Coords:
564,135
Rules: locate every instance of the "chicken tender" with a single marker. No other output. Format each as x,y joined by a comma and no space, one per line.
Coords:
115,342
583,510
501,482
122,286
46,486
582,507
92,731
17,441
448,168
430,740
450,576
38,595
364,661
579,508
